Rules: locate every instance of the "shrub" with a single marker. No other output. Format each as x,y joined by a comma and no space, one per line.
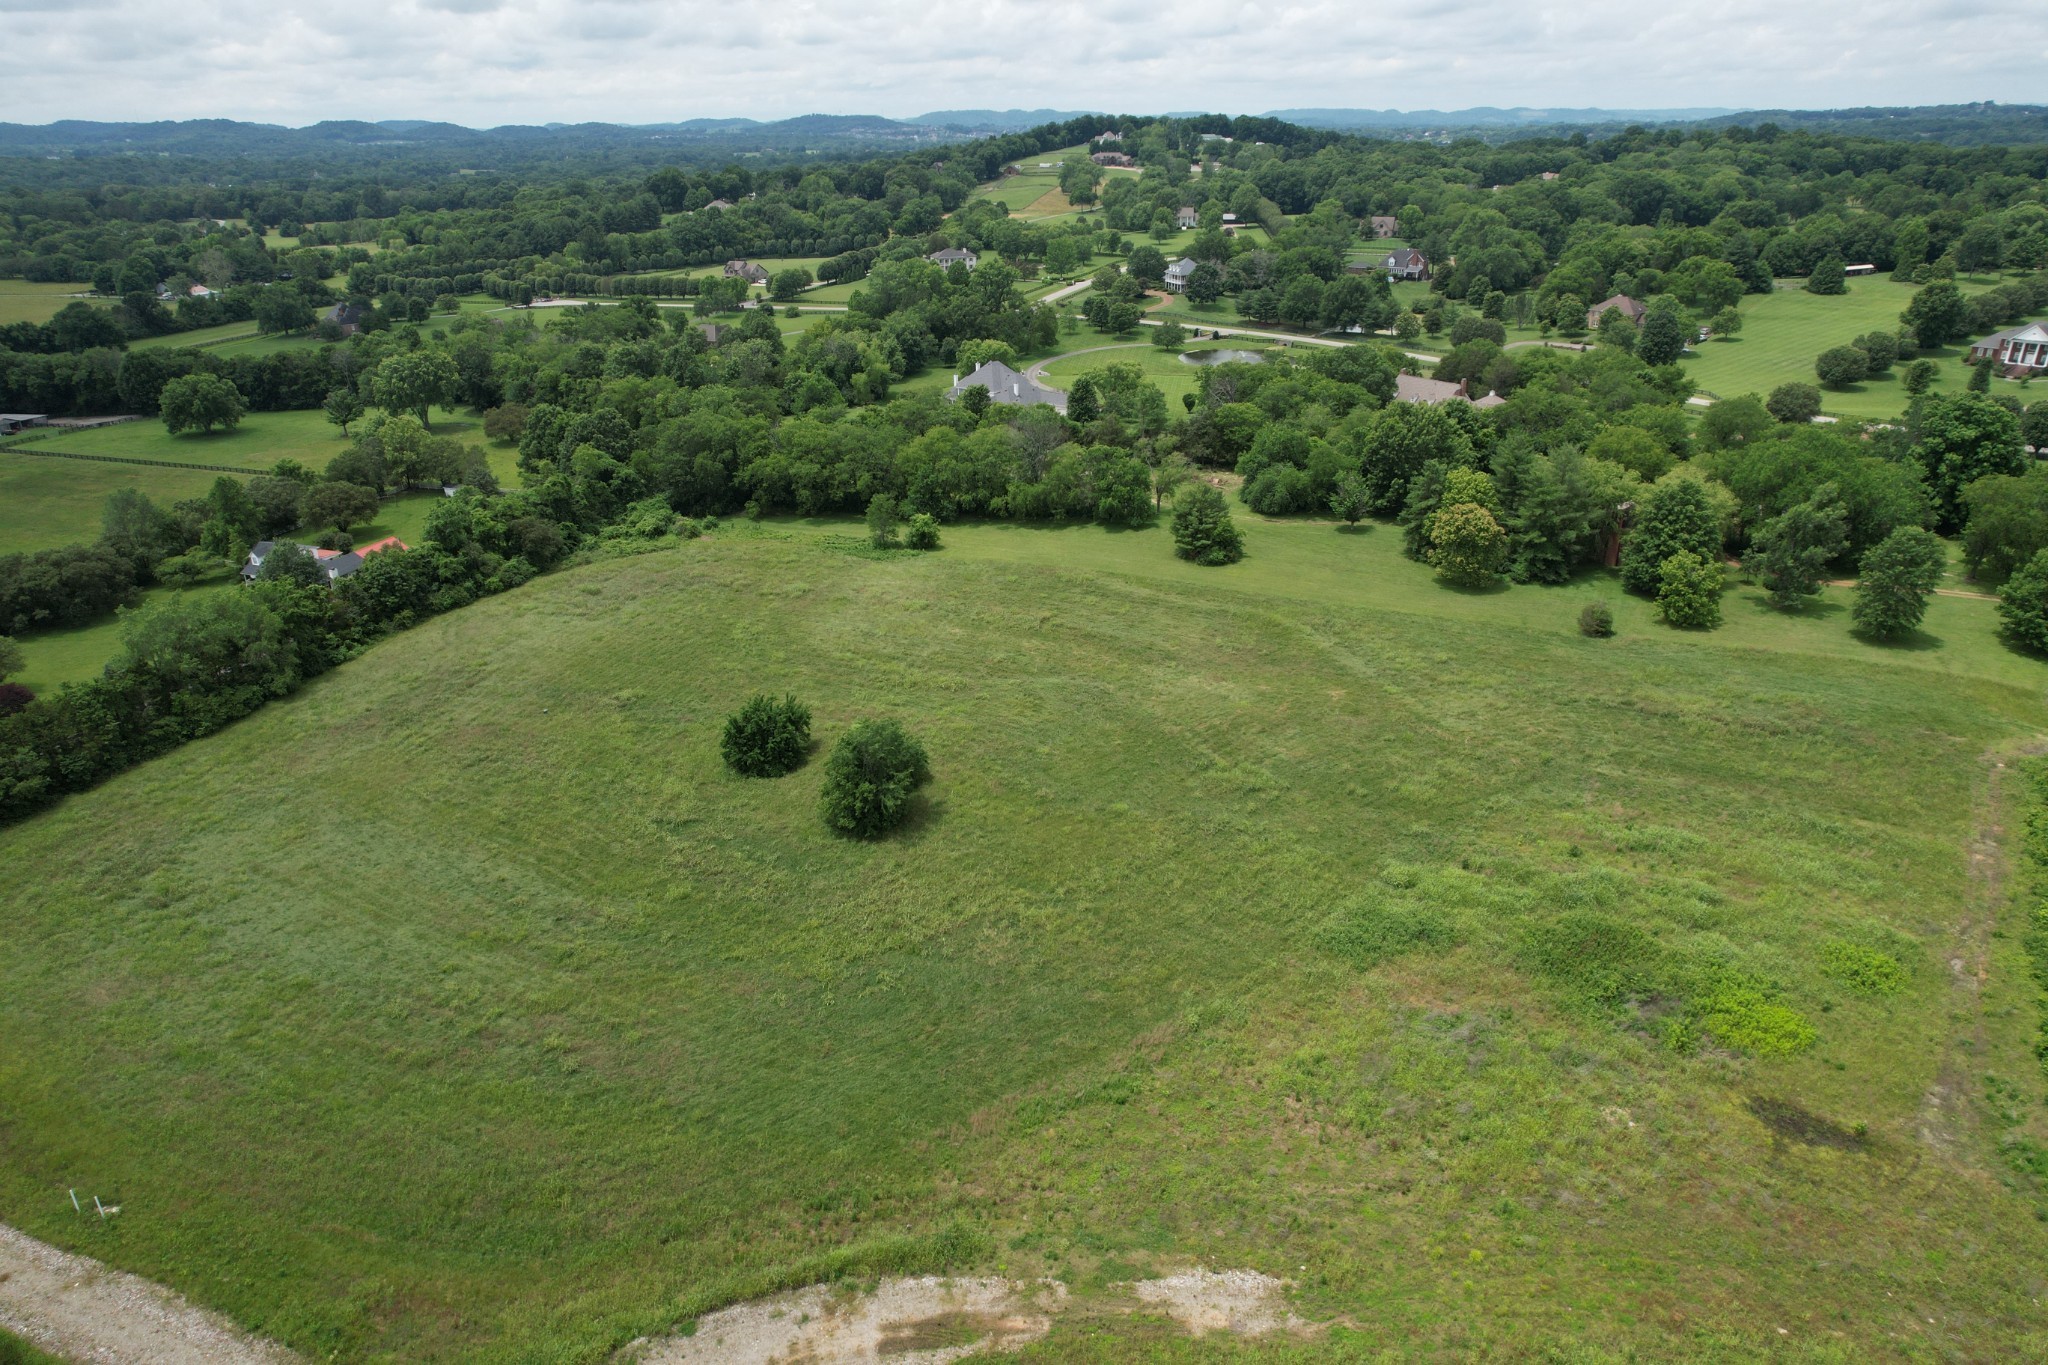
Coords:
1739,1015
1202,529
922,533
1596,620
1894,580
1794,403
2023,606
1792,550
1863,970
1279,490
1690,592
1840,366
870,777
766,737
13,697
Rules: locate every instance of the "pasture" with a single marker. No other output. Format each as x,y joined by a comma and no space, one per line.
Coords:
1784,330
1267,916
23,301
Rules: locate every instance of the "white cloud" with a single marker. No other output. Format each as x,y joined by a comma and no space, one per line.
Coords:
530,61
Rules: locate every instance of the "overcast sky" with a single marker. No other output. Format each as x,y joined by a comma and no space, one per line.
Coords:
482,62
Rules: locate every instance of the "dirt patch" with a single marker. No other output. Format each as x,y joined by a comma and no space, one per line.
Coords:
920,1321
930,1320
1788,1120
1240,1301
77,1308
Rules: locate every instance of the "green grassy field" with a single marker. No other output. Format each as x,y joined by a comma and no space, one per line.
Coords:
1784,330
1173,375
46,503
463,1007
21,301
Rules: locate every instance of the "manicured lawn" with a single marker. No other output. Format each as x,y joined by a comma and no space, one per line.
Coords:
46,503
464,1007
198,336
21,301
1168,370
1784,330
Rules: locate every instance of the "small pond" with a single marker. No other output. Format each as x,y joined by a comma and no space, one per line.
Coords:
1223,357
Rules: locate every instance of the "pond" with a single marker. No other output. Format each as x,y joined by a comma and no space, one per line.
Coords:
1223,357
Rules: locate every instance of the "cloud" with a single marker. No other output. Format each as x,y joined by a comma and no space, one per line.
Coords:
486,61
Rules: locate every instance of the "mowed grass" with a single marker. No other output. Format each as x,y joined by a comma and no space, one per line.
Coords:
1172,374
1783,331
463,1007
23,301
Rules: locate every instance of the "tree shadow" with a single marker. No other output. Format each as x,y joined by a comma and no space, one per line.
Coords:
1912,642
1493,589
1345,528
1812,609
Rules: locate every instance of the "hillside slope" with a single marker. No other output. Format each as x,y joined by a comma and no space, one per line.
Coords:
1303,916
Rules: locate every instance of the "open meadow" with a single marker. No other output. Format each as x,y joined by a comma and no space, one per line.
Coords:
463,1006
1784,330
22,301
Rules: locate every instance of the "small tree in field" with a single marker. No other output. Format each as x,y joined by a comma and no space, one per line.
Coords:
1725,325
1690,595
1840,366
922,533
883,518
869,779
1596,620
1202,529
766,737
1467,545
2023,605
342,405
1352,500
1169,335
1894,581
1828,276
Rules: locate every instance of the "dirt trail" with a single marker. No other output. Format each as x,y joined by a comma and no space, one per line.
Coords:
931,1320
84,1311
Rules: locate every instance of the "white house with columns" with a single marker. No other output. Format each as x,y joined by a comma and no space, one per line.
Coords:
2018,348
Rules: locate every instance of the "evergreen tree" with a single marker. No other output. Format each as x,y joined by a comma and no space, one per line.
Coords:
1202,529
1827,277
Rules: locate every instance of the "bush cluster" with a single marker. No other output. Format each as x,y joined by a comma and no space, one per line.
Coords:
766,737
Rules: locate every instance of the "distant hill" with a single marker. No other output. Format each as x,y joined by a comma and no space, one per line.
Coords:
1960,125
998,120
1486,117
348,139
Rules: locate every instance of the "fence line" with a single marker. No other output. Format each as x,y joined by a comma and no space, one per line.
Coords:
17,448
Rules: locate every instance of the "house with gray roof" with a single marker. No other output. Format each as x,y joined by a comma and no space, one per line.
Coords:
1188,217
952,256
1406,264
746,270
1006,385
1413,388
1179,273
2022,349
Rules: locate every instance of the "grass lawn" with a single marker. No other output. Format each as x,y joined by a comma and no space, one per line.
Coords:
260,441
21,301
1784,330
563,1032
1172,374
46,503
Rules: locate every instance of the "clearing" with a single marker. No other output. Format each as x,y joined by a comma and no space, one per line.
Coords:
463,1006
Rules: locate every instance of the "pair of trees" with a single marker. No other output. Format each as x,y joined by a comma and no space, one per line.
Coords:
874,769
